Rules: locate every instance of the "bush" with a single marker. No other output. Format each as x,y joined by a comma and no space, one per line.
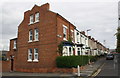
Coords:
73,61
93,58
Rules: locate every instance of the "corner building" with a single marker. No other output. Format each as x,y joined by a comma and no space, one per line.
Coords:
36,47
39,35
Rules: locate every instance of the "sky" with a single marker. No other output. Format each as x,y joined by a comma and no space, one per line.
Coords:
101,16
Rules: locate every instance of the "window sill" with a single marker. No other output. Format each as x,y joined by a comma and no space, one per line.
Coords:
65,39
36,40
29,41
35,60
29,60
31,23
14,48
36,21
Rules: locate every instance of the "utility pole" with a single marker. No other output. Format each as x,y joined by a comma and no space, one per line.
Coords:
88,45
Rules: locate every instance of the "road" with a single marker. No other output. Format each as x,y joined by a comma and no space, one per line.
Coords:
109,68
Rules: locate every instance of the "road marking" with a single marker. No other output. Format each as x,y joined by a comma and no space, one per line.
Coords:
98,71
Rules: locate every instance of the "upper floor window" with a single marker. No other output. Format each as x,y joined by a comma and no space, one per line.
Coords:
15,44
36,34
37,17
72,35
64,33
31,19
35,54
30,36
30,54
78,39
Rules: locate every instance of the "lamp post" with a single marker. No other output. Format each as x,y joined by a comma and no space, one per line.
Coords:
88,45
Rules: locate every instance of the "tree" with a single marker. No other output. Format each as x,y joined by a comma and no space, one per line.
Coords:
118,40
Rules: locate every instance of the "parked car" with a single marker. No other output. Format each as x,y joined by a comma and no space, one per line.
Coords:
109,57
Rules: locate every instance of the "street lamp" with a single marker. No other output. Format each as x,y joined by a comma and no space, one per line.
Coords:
88,45
88,30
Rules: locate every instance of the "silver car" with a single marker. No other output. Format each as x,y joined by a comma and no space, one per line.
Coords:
109,57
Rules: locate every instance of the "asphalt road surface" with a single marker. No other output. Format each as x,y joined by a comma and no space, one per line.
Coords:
109,68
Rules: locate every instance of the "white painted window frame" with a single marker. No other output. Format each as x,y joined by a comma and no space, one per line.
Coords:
30,35
31,19
36,34
35,55
15,44
72,35
37,14
29,55
65,32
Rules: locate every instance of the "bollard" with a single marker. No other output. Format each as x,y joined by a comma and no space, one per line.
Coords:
78,70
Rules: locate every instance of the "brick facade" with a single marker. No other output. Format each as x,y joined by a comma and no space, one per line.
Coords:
50,27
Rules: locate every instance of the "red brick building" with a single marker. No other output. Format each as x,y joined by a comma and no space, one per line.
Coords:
39,35
36,47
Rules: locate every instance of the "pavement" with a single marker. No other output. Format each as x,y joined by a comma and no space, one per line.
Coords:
91,69
88,71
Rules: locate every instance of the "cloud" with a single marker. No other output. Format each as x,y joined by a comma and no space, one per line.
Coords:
101,17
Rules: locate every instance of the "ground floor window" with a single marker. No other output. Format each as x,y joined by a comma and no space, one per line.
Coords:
30,54
78,51
70,50
36,54
65,49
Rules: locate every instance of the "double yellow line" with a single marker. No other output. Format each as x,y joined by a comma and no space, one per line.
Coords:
98,71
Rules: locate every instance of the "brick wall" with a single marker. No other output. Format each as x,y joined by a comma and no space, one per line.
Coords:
49,70
46,45
50,25
60,22
5,66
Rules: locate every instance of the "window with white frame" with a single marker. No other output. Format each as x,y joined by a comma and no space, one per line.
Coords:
36,54
30,54
65,51
72,35
31,19
77,37
37,17
78,51
15,44
64,32
30,35
70,51
36,35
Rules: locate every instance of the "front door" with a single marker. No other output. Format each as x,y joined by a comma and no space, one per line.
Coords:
12,61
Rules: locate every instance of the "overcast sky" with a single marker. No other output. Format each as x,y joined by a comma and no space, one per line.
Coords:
101,16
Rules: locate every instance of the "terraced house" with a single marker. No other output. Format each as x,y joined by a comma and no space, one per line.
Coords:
39,34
